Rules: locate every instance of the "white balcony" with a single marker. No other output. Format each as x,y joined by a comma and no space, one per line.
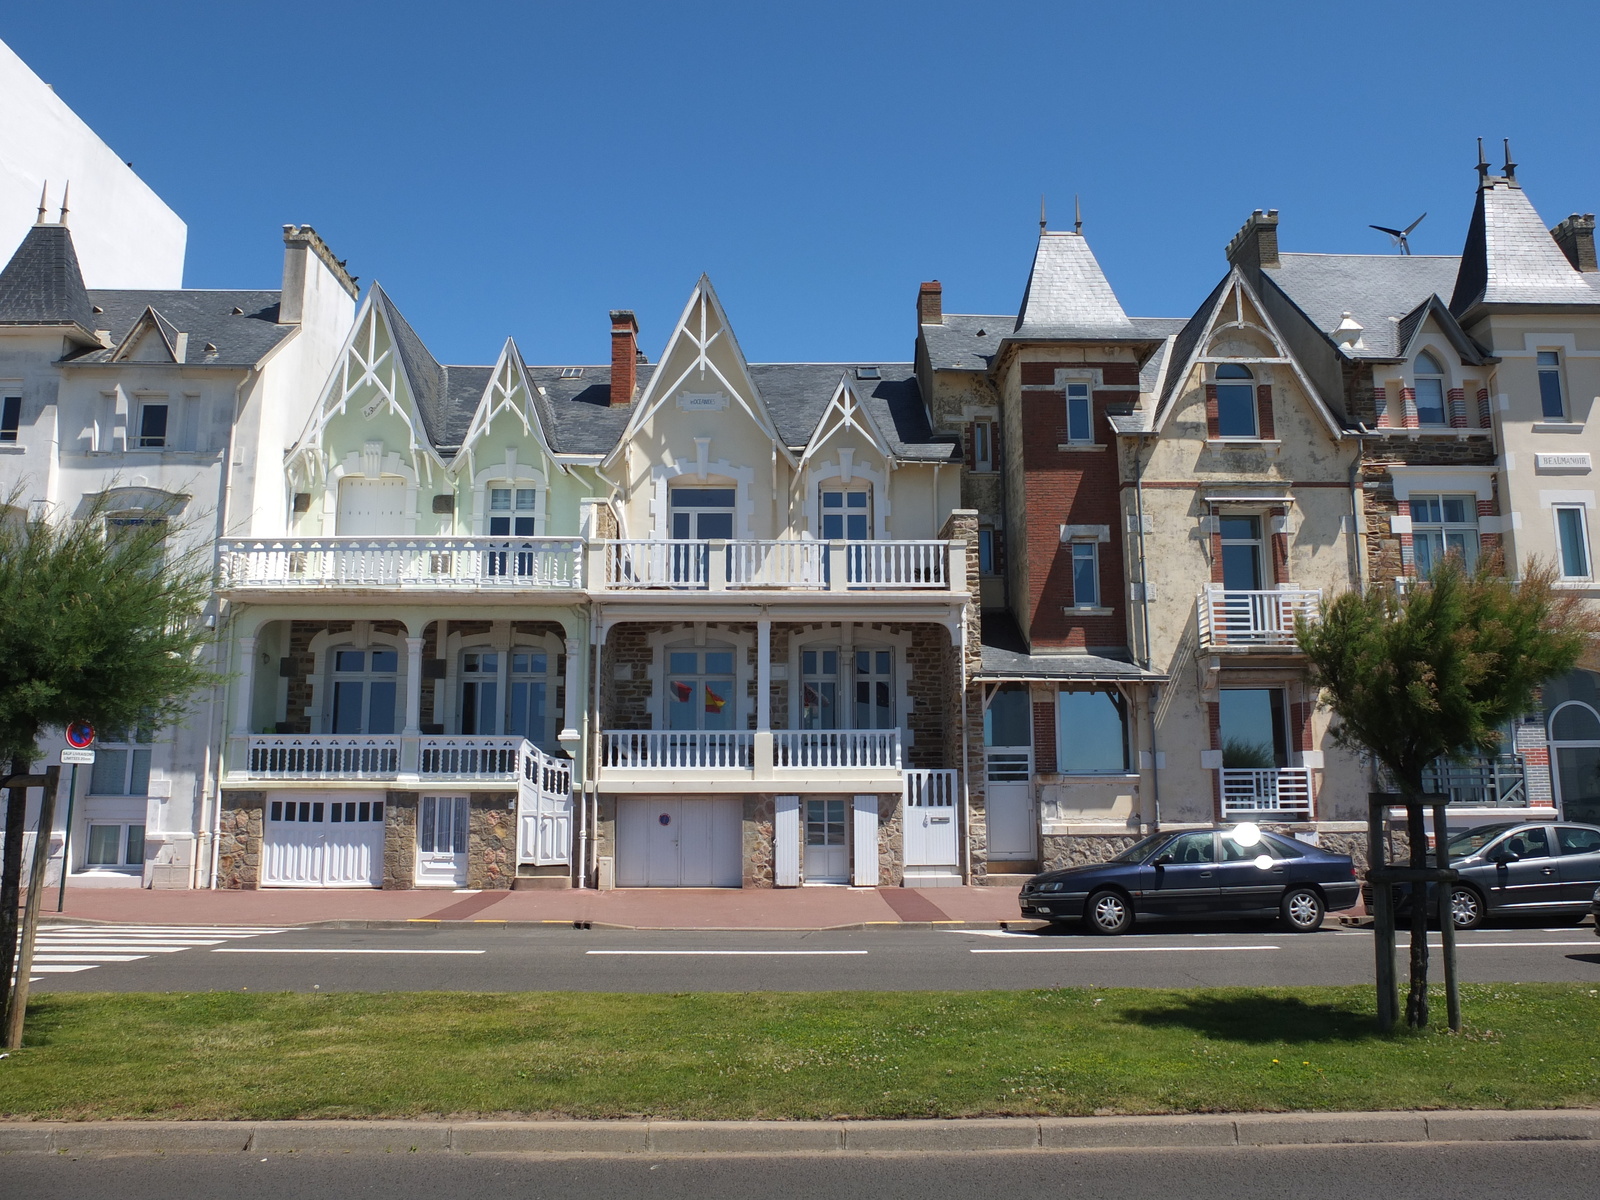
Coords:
446,563
1285,791
1255,620
787,564
734,760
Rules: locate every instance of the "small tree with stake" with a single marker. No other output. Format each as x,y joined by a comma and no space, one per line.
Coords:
100,621
1436,673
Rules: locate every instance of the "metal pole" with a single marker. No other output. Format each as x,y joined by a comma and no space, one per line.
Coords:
30,924
1447,924
1382,909
66,841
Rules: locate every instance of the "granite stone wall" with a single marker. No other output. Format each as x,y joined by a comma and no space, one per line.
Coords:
239,839
492,840
400,841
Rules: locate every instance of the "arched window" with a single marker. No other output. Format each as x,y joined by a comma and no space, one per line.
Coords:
364,683
700,683
836,687
1236,401
1573,702
1430,390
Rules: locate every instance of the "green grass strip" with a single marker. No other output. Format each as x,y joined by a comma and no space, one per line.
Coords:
791,1055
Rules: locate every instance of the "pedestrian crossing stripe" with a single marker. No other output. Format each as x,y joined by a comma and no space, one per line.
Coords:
69,949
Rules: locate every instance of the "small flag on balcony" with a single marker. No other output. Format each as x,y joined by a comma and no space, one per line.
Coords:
684,692
714,702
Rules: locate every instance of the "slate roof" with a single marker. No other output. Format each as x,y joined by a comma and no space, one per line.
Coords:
1068,296
1376,289
206,316
1510,257
43,284
1005,656
965,342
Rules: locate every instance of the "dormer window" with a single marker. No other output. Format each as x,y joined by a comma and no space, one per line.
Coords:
1430,391
1236,401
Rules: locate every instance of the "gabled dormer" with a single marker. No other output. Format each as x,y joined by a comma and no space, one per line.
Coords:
845,470
152,339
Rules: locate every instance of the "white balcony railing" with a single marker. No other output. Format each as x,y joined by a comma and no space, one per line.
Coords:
1248,619
1257,790
324,756
456,563
832,748
469,757
677,749
780,564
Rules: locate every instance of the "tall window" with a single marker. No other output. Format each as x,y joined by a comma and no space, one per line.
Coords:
10,418
365,683
152,426
122,766
1085,575
480,690
1551,402
983,441
1444,524
1241,553
1430,390
511,511
1008,717
700,688
1080,423
1092,733
1572,534
847,514
987,564
819,689
1236,401
700,513
874,689
1255,733
532,690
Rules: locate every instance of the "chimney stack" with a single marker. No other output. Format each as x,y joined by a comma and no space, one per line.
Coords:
1256,244
930,303
624,356
1575,236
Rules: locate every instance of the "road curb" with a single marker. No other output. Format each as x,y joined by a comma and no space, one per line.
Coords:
976,1135
491,922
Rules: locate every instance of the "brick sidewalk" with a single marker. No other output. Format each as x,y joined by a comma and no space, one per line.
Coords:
662,908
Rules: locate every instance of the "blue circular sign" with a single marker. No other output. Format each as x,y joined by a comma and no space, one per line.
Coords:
665,818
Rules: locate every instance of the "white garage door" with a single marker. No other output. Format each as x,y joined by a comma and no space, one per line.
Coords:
371,507
670,842
322,840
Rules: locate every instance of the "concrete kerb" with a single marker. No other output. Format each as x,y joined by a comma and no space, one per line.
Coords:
492,922
795,1137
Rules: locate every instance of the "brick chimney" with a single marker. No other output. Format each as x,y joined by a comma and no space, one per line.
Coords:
1256,244
624,356
930,303
1575,236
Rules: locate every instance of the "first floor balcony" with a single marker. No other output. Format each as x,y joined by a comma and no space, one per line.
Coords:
1497,782
707,759
425,760
789,564
452,564
1279,792
1255,620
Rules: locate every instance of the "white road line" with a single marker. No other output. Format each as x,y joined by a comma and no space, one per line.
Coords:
1593,942
731,953
1115,949
65,949
88,958
302,950
172,943
61,969
166,930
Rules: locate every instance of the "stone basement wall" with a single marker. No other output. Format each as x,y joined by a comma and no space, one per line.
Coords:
400,841
239,840
759,850
1079,850
492,841
891,841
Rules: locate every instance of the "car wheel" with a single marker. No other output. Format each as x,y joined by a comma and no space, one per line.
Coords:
1109,912
1466,907
1303,910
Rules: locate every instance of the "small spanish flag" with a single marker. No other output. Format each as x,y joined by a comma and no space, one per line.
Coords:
714,702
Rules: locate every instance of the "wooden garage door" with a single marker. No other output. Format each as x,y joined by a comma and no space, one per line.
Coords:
673,842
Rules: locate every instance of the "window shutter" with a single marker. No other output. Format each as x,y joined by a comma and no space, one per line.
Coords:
786,841
1264,421
1213,429
866,839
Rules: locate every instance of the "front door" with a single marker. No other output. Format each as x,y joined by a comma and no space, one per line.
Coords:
1184,883
442,841
1008,797
827,846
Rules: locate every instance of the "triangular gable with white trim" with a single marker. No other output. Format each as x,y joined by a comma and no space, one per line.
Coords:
1236,305
152,339
702,364
843,413
509,393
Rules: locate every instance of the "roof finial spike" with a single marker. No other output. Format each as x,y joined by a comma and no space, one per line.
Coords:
43,192
1041,213
1077,215
1483,164
1511,167
65,193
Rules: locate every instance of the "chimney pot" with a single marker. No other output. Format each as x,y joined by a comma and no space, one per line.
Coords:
930,303
624,356
1575,236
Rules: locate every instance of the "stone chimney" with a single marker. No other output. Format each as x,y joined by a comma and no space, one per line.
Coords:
301,244
1575,236
1256,244
930,303
624,356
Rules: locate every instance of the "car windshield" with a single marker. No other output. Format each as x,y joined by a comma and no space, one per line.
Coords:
1470,841
1140,850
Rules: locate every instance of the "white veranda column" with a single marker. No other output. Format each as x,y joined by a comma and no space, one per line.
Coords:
764,674
569,718
413,687
244,685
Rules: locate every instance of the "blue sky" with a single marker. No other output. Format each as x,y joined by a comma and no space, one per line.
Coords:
521,168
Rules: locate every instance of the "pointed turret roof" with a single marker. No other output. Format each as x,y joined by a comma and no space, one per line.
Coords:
1068,296
43,285
1510,257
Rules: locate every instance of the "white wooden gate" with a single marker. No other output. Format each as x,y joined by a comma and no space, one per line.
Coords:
315,840
932,831
544,807
786,841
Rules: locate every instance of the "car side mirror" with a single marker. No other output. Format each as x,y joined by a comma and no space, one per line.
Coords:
1504,856
1164,859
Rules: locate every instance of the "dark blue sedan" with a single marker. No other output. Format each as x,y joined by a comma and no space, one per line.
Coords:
1210,874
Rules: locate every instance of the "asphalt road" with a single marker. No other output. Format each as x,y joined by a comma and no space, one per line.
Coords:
1460,1171
499,958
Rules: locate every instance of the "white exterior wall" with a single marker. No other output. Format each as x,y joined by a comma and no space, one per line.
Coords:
126,237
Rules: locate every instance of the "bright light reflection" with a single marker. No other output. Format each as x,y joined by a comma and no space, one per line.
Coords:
1246,833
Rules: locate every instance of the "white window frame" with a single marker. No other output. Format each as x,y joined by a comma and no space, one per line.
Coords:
699,677
1561,553
1443,379
987,545
1249,384
1085,436
515,491
1556,369
141,743
366,677
1444,528
983,431
10,418
1089,551
843,512
147,405
123,827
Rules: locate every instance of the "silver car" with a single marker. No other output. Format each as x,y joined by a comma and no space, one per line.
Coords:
1538,868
